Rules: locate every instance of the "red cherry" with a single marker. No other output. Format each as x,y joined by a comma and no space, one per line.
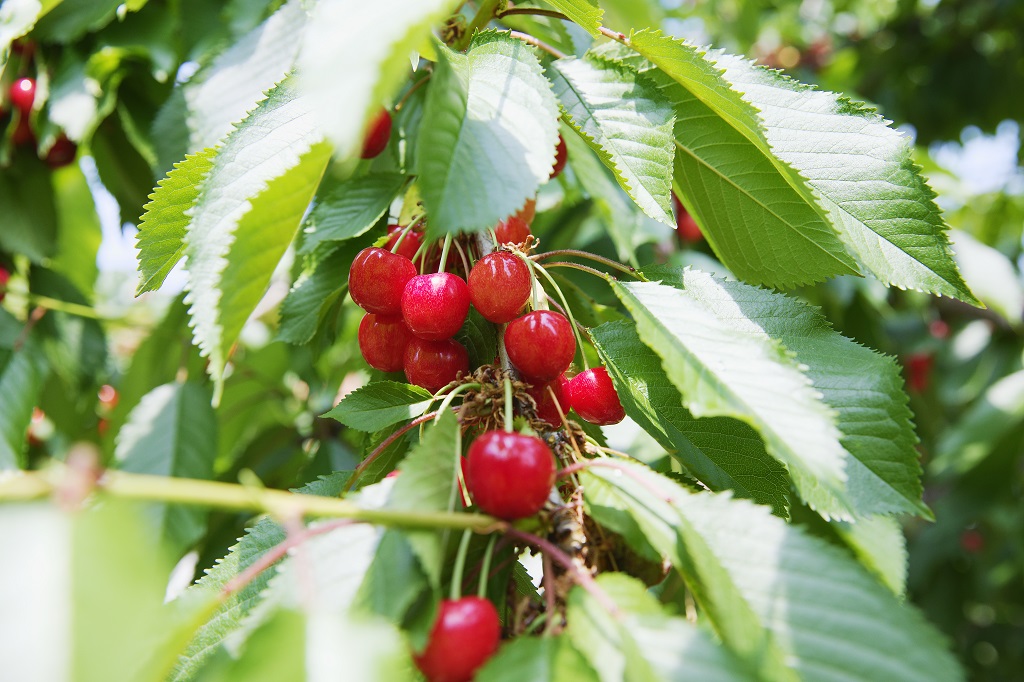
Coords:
61,153
434,364
510,474
561,156
547,411
939,329
5,275
592,394
528,211
512,230
435,305
540,345
377,135
377,279
972,541
409,246
686,227
919,367
465,634
382,341
23,94
499,286
23,134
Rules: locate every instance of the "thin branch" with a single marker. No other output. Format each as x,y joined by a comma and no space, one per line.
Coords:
527,38
387,441
577,266
591,256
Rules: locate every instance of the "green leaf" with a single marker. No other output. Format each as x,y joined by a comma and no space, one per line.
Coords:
790,606
30,216
380,404
376,64
386,461
17,19
645,643
582,12
480,338
233,610
80,231
316,290
256,193
991,275
864,388
172,432
21,380
161,236
878,543
551,659
862,173
488,135
426,482
222,94
350,209
725,454
748,377
627,122
394,579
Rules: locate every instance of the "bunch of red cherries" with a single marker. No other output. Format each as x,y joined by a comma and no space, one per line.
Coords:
22,97
410,322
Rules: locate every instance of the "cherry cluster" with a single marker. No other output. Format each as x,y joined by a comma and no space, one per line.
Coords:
22,97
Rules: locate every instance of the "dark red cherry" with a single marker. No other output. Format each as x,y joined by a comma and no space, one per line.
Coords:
434,364
919,369
5,276
510,474
561,156
547,411
466,633
592,394
377,135
61,153
540,345
23,134
377,279
686,227
382,341
23,94
410,244
435,306
528,211
499,286
512,230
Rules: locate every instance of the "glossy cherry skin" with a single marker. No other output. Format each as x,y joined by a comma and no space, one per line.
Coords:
382,341
434,364
377,135
561,156
377,279
686,227
540,345
510,474
61,153
466,633
592,394
435,306
410,244
499,286
4,277
547,411
23,94
512,230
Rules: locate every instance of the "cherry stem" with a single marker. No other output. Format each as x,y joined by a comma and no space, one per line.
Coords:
387,441
568,312
549,595
408,93
451,396
577,266
462,255
444,251
629,270
606,32
277,552
485,569
455,589
479,20
527,38
398,242
582,578
508,405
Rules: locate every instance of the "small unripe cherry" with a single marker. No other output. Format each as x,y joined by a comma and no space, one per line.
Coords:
377,279
510,474
434,364
686,227
382,341
23,94
592,394
464,636
561,156
499,286
540,345
435,305
377,135
512,230
410,244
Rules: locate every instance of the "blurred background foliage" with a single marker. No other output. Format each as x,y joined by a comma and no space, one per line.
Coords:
115,79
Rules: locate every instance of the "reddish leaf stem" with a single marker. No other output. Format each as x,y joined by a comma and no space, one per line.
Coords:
387,441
